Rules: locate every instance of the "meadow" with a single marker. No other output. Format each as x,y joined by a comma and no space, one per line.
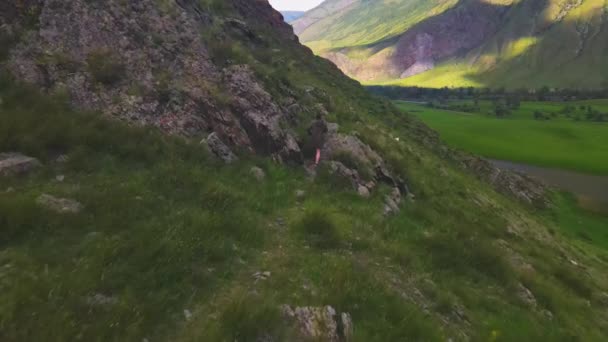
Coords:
560,142
169,239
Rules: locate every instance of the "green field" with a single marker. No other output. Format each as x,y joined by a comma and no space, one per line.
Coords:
560,142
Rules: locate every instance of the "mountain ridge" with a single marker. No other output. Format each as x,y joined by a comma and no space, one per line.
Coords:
469,43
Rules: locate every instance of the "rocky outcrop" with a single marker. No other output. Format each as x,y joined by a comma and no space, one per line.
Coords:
16,164
320,323
148,65
59,205
515,184
370,166
219,149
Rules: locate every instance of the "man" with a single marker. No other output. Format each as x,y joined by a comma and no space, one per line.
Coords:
318,132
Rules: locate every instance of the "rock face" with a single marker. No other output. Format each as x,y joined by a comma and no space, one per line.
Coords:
258,173
369,169
16,164
147,64
518,185
320,323
59,205
219,149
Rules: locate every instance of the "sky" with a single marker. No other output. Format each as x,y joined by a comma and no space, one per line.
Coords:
294,5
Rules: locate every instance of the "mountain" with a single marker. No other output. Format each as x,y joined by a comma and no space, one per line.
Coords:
291,15
156,185
498,43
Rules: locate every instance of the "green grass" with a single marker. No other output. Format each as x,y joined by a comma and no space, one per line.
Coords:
561,143
166,228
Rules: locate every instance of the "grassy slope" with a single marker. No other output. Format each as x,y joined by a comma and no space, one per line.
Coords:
514,59
166,228
368,22
562,143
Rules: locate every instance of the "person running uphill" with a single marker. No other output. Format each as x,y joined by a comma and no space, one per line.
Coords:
318,132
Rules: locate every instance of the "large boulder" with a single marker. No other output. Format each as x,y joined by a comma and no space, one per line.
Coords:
16,164
320,323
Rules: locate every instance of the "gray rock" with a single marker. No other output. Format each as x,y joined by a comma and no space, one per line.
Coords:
363,191
332,127
180,88
60,178
258,173
100,299
219,149
300,194
187,315
392,202
16,164
320,323
258,276
337,168
59,205
526,296
9,190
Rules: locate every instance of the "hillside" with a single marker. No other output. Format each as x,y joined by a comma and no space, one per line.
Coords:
155,185
498,43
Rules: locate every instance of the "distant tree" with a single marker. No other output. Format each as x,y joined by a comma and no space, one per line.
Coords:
543,93
513,101
500,109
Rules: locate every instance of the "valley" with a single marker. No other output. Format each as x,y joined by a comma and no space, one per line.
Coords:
187,170
557,141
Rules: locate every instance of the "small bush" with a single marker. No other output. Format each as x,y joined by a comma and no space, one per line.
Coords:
319,229
105,67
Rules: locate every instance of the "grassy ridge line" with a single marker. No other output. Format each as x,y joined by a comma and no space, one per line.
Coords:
578,146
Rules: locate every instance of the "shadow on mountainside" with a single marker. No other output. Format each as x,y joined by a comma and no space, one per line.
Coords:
456,33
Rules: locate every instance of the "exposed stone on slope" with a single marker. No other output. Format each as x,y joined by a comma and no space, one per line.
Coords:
320,323
519,185
59,205
259,115
368,160
136,62
16,164
258,173
219,149
392,202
